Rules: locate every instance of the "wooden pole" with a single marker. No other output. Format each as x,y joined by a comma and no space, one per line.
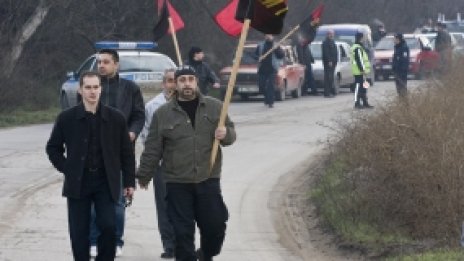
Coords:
174,39
279,43
230,87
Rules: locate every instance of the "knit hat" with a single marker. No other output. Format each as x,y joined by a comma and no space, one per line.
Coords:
184,70
193,51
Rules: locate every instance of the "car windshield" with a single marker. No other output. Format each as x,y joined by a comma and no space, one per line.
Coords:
387,43
316,51
139,63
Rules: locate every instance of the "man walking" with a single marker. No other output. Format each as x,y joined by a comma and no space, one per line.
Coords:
205,74
168,237
360,67
306,58
268,67
400,65
181,134
329,59
90,146
125,96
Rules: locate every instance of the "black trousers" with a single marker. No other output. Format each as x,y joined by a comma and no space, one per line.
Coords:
401,80
360,92
201,203
95,190
329,85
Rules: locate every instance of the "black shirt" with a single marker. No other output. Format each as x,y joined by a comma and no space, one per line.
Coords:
190,107
94,156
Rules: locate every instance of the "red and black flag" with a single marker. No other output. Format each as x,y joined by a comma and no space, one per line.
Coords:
267,16
226,21
309,26
166,10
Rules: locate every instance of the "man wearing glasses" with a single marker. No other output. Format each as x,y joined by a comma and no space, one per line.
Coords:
165,228
181,134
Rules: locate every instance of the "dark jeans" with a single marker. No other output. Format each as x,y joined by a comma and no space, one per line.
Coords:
120,209
401,81
168,237
95,191
309,83
329,86
266,84
201,203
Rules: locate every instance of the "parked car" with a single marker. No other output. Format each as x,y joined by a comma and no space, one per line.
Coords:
423,59
346,33
137,62
289,79
343,76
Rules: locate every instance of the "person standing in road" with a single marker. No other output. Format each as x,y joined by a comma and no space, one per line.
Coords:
125,96
182,134
306,58
443,46
268,67
400,65
205,74
329,59
360,67
90,146
166,230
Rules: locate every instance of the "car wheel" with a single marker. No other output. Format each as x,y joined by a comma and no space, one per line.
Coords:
297,92
64,102
244,97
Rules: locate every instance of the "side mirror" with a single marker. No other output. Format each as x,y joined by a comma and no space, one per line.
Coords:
71,75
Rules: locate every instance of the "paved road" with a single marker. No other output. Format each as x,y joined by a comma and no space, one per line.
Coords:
271,143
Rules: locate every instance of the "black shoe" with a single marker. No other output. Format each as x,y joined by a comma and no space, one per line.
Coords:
201,256
271,106
169,253
358,106
368,106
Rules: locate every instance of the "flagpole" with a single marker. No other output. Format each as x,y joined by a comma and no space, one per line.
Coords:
279,43
230,87
174,39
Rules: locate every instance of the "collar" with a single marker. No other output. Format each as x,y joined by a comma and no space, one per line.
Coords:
101,109
110,80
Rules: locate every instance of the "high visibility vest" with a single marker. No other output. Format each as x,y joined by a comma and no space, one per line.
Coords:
365,59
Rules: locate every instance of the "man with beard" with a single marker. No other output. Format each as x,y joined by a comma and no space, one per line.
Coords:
125,96
182,134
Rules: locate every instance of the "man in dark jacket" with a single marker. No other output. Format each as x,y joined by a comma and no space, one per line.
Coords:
329,59
205,74
182,134
90,146
306,58
125,96
400,65
268,67
443,46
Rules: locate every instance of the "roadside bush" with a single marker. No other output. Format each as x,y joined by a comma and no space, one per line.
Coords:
400,169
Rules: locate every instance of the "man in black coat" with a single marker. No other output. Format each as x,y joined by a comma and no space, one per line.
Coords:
329,59
306,58
205,74
89,144
125,96
400,65
443,46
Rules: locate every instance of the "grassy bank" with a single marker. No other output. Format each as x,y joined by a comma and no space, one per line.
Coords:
21,117
392,186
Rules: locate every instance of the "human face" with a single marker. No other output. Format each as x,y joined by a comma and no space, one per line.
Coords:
268,37
169,83
107,66
187,87
90,90
331,34
198,56
397,41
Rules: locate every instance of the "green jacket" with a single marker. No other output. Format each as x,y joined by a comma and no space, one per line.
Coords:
185,151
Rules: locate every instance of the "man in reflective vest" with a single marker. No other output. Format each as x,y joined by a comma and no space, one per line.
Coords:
360,67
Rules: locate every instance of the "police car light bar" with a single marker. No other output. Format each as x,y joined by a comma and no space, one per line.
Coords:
125,45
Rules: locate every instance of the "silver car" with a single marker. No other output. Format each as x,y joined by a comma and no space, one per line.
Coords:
343,76
136,62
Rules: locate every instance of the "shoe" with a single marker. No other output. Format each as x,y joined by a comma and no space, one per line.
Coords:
313,93
368,106
168,253
93,251
201,257
271,106
118,251
358,106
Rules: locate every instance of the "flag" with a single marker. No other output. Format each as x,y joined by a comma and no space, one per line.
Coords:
226,21
309,26
267,16
166,10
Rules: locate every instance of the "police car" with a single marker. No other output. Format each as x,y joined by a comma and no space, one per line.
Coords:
137,62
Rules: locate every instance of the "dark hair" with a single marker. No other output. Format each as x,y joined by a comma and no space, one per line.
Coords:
87,74
111,52
358,37
173,70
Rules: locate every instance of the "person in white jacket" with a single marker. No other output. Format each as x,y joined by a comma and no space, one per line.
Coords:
164,226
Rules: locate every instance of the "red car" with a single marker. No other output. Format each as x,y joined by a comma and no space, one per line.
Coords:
289,79
423,60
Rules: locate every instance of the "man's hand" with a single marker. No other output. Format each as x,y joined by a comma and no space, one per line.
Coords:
220,133
132,136
216,85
